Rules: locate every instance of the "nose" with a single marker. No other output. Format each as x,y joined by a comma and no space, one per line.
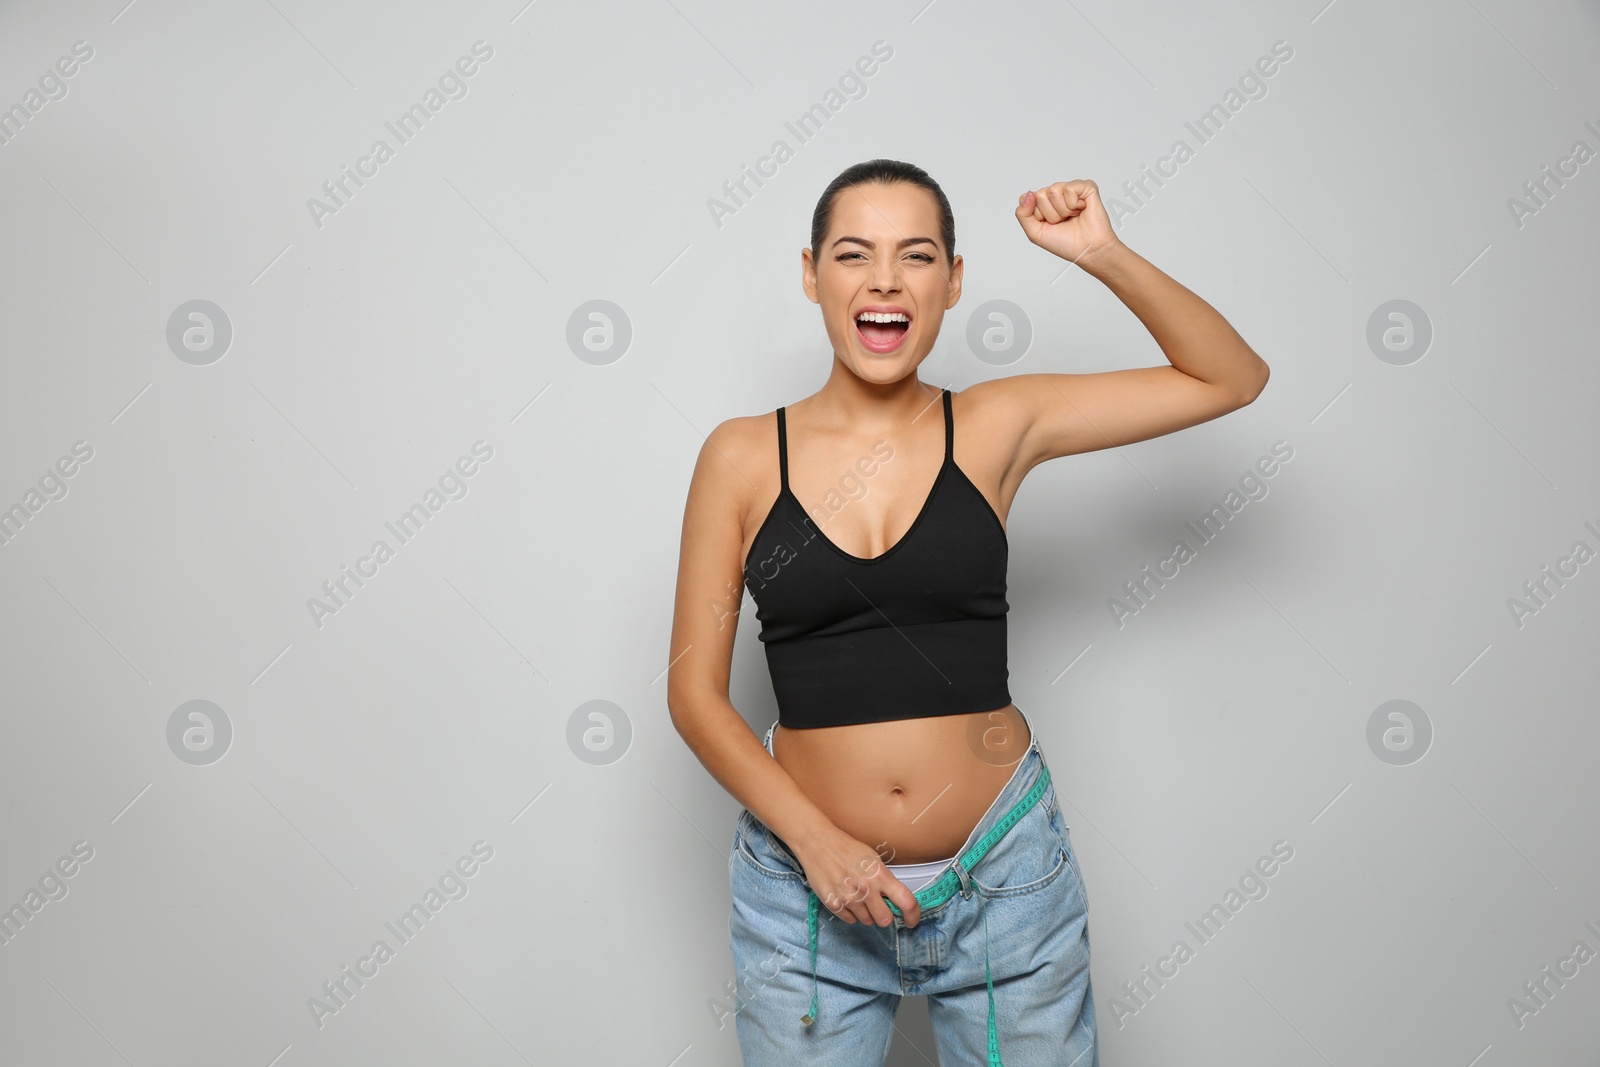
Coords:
886,276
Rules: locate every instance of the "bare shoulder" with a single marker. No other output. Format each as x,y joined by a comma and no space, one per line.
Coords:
1007,394
737,467
991,420
727,477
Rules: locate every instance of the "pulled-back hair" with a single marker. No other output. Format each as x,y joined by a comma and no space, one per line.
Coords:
887,171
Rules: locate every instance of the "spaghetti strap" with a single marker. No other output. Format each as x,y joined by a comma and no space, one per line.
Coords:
783,452
949,430
833,663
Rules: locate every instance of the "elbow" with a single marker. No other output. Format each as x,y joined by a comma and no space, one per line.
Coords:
682,722
677,711
685,709
1253,390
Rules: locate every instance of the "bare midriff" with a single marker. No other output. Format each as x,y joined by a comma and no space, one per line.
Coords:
913,789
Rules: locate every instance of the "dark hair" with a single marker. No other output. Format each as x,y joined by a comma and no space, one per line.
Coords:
887,171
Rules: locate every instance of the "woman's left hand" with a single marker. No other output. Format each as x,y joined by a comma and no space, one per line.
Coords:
1067,218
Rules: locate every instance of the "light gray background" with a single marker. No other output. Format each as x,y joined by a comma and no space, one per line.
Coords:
434,709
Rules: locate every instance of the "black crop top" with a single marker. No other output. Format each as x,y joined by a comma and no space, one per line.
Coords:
915,632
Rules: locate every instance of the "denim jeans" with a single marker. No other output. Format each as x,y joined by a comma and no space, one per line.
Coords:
1018,926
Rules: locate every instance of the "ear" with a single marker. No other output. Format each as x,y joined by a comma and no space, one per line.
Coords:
957,270
808,276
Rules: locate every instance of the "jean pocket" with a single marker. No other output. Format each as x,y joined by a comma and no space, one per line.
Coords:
1030,857
750,846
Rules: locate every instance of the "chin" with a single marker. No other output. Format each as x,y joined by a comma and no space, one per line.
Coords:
883,373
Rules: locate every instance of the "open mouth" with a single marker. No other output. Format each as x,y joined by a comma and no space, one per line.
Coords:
882,331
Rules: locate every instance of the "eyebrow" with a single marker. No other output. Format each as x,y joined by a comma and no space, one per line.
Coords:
906,243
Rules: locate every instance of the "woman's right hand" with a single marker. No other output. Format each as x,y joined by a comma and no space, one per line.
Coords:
851,880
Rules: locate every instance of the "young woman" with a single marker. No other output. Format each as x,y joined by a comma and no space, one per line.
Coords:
900,791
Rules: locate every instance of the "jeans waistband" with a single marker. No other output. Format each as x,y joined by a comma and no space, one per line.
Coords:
1028,782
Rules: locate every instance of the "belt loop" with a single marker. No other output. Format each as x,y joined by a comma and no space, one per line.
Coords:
965,879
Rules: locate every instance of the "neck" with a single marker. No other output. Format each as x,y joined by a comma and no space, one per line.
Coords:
846,399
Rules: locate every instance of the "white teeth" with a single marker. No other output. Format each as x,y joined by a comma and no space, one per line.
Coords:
881,316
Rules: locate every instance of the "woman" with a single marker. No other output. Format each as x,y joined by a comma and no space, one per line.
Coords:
901,791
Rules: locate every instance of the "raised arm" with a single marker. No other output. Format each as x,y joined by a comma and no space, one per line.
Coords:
1211,370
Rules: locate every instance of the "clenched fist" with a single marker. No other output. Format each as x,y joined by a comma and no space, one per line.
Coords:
1067,218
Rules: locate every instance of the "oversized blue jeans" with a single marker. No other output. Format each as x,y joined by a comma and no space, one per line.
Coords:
1007,954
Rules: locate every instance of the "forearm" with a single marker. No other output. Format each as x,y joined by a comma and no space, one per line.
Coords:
1192,334
736,758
